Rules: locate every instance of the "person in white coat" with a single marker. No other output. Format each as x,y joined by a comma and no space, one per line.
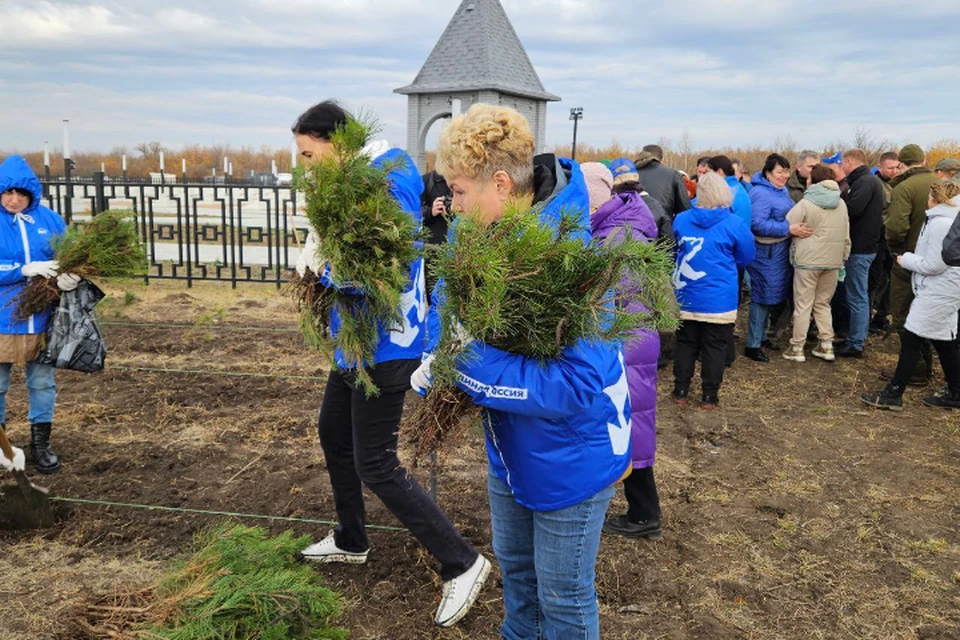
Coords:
933,313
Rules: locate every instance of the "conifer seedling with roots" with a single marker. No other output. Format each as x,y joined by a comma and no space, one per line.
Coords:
369,243
533,287
106,246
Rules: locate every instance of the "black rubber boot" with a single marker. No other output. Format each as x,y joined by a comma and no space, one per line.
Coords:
44,459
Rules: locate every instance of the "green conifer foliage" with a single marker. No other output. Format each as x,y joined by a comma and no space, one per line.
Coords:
533,288
242,584
106,246
367,239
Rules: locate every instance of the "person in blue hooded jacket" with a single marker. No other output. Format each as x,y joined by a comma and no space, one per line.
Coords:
712,245
26,231
770,274
558,432
359,435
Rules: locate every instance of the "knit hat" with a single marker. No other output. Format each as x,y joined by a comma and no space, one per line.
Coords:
624,170
599,183
911,154
713,191
950,165
836,158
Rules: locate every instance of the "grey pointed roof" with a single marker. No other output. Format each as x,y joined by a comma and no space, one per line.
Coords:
479,50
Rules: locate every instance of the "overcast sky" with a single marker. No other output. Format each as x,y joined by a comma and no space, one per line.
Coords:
728,73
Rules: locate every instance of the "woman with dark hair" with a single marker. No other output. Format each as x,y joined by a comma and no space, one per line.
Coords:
358,434
770,273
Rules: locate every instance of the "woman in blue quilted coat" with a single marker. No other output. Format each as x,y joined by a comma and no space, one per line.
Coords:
770,273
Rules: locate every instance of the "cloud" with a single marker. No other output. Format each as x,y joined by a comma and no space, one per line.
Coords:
239,71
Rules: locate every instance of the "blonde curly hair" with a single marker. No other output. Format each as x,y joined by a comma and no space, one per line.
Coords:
487,139
943,191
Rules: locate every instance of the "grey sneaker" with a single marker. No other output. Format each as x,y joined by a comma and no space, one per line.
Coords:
461,592
327,551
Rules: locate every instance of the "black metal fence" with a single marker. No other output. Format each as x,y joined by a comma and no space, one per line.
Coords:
233,232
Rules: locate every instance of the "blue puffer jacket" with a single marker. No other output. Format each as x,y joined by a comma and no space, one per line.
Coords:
556,432
406,340
742,207
771,275
711,245
23,238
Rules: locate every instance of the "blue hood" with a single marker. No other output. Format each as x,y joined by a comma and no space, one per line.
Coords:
706,218
15,173
406,185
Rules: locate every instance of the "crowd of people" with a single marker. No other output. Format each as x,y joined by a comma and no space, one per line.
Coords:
856,249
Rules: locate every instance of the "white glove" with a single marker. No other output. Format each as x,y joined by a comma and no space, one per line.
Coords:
460,335
17,464
68,281
308,255
45,268
422,379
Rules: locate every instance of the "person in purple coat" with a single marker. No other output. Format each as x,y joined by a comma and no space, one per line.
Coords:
627,212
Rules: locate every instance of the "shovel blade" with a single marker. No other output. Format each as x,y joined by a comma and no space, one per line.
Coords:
25,505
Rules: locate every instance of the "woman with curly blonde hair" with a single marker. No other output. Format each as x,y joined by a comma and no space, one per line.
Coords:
933,313
555,444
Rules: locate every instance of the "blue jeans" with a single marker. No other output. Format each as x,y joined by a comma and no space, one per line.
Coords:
41,390
547,561
856,285
757,324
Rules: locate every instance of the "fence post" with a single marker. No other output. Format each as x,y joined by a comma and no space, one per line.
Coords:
99,198
68,166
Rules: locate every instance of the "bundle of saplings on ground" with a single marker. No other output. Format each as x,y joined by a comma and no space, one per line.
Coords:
106,246
365,240
239,583
533,287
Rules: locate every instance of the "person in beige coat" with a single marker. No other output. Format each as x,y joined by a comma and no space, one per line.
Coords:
817,261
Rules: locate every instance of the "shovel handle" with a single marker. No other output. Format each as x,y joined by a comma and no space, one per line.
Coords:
5,445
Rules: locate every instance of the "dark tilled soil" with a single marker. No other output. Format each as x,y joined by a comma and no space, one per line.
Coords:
793,511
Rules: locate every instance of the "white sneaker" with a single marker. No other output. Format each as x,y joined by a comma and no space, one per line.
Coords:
795,354
824,352
327,551
461,592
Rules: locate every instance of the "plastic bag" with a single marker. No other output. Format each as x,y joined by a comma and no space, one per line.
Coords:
74,340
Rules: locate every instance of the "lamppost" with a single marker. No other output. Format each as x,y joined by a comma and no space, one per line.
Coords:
576,114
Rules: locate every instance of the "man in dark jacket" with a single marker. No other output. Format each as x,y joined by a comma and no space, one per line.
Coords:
887,169
663,183
904,220
797,183
864,201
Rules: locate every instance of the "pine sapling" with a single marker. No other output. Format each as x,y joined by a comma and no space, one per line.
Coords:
106,246
532,288
367,242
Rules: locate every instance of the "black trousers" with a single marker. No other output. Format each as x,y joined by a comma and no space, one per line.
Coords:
707,341
640,490
359,439
878,286
910,353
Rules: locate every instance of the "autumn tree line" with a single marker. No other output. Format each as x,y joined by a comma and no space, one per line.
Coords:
144,158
